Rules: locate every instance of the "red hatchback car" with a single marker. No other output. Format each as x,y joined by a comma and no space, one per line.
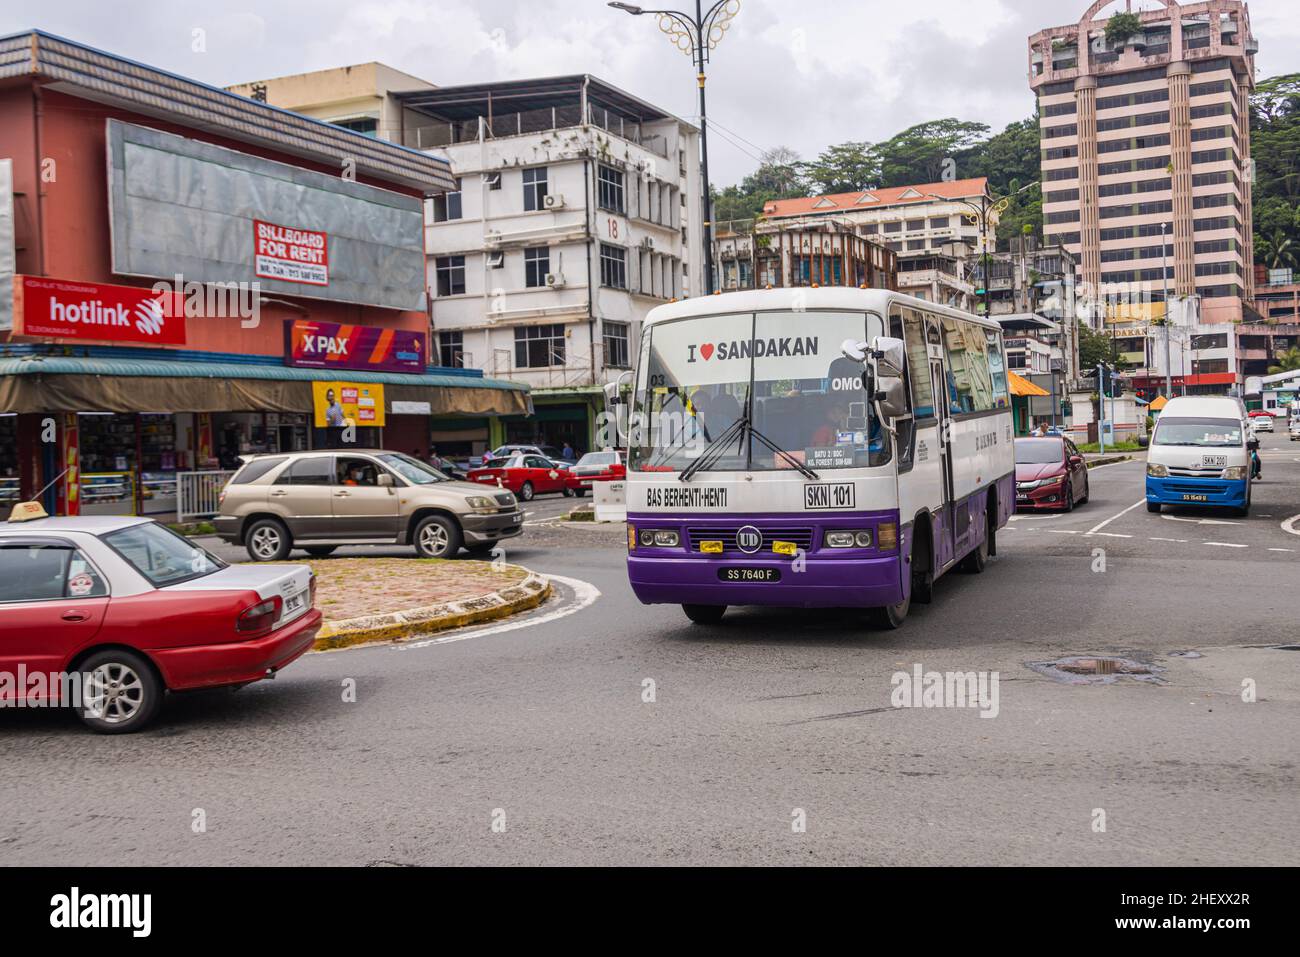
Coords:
525,475
109,613
1050,474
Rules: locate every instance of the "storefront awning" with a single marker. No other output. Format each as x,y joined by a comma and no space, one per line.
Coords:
87,384
1021,386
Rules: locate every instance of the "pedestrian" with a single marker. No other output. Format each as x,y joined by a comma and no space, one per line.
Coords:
567,452
434,458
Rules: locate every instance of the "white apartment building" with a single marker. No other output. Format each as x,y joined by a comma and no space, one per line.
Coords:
579,211
933,227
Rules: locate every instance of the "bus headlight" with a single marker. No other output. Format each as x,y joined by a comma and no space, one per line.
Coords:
1236,473
1156,470
847,538
658,538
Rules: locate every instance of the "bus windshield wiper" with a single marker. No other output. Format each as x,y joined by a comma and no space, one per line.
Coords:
742,429
794,462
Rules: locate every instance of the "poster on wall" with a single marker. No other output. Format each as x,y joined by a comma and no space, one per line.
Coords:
70,489
321,345
290,254
338,404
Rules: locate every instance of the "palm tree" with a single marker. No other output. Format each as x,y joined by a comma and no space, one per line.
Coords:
1288,360
1281,250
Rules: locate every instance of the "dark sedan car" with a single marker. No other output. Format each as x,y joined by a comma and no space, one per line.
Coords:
1050,474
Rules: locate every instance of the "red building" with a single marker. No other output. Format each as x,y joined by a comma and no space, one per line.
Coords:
185,273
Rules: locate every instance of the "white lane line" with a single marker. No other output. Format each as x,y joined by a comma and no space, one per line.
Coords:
1180,541
1225,545
1098,468
1281,549
1198,521
1063,531
585,595
1290,524
1109,535
1097,528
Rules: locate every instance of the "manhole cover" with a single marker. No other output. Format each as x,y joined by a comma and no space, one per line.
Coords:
1095,669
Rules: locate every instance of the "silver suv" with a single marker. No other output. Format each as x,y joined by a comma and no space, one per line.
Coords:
318,501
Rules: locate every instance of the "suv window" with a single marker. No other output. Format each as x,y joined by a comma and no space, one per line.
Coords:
356,472
46,573
255,469
316,470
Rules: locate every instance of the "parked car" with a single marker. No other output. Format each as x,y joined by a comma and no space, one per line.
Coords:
1050,474
545,451
604,466
318,501
1294,430
527,475
136,610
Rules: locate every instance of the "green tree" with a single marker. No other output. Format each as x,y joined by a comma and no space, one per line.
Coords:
928,152
1121,27
1275,150
1095,348
845,168
1288,360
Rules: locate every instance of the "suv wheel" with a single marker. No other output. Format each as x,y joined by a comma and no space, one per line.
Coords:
120,694
437,537
268,540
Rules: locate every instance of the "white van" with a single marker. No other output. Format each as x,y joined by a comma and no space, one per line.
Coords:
1199,455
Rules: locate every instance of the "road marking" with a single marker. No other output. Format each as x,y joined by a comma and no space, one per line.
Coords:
1109,535
1198,521
1281,549
1290,524
1097,528
1063,531
1225,545
1098,468
1180,541
585,595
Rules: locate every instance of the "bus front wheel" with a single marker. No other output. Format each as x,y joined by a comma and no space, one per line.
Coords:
891,617
705,614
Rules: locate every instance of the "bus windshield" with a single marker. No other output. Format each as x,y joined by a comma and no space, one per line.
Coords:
698,377
1211,433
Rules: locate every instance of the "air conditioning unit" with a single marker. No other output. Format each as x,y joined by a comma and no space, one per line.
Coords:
648,242
552,201
555,280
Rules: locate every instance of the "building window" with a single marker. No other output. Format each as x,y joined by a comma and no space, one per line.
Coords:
613,266
451,350
368,125
615,336
537,347
493,180
609,188
450,271
537,263
447,206
535,188
915,224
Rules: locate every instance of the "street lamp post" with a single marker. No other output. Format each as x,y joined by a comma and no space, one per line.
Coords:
1164,276
696,36
981,215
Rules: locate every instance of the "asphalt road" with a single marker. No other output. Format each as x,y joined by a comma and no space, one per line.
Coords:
768,719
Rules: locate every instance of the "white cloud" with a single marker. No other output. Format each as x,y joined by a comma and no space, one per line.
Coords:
805,74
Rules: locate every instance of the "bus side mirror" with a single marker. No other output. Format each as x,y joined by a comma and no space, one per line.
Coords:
891,396
890,355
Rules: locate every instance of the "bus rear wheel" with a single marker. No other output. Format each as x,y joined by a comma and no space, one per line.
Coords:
705,614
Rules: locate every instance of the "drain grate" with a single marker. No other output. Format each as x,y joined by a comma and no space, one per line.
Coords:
1095,669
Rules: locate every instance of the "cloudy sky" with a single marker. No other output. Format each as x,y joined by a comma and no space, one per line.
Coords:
798,73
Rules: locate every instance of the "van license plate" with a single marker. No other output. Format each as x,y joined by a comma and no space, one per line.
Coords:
749,574
1214,461
1196,498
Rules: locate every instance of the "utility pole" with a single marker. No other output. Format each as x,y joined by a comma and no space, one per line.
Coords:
1101,406
1164,275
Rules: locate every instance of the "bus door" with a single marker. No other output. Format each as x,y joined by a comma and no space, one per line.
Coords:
947,546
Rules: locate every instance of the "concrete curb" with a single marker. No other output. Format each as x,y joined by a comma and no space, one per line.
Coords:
529,593
1108,460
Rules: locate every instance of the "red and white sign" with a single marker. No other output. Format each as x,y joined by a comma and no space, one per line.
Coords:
291,255
88,310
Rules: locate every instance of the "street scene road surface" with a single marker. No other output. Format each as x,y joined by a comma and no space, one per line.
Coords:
543,719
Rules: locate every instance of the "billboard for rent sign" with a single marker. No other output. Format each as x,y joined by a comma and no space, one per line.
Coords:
291,255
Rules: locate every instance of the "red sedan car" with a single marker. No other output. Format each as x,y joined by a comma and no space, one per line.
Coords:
596,467
525,475
1050,474
109,613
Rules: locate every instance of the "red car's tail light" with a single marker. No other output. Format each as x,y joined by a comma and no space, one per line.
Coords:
259,617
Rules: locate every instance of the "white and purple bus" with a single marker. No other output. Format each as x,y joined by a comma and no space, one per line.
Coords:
810,447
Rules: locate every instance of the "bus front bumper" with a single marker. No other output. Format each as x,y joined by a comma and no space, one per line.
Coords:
820,583
1183,490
